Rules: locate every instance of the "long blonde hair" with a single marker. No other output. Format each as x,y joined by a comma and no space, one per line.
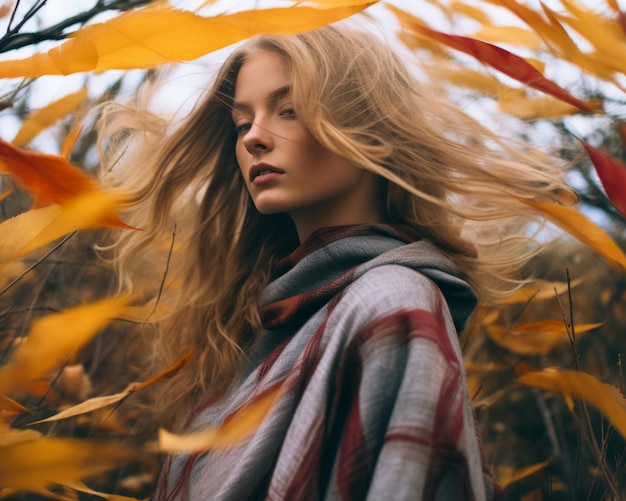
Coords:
445,175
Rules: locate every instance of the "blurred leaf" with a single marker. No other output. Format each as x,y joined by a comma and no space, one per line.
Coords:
47,116
612,174
100,402
519,105
512,35
38,227
47,178
5,194
475,13
235,428
159,34
535,338
604,34
538,291
506,475
604,397
23,228
68,143
500,59
10,408
54,339
81,487
35,465
581,227
6,8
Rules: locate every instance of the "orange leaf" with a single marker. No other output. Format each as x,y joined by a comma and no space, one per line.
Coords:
34,465
159,34
539,291
500,59
104,401
54,339
604,397
44,118
506,475
236,428
5,194
48,178
612,174
534,338
582,228
513,35
10,408
516,103
70,140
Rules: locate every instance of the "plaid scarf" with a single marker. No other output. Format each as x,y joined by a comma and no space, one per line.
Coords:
360,331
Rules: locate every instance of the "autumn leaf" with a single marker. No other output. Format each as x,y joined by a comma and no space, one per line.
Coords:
506,475
38,227
512,35
519,105
35,465
54,339
5,194
236,428
10,408
159,34
496,57
539,291
604,397
47,116
535,338
612,174
47,178
104,401
582,228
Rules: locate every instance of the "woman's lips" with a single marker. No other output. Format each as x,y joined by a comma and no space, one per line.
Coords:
262,173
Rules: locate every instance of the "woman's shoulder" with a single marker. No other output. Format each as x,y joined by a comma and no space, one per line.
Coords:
392,287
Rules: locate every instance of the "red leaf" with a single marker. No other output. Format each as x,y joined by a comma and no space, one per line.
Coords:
48,178
612,174
504,61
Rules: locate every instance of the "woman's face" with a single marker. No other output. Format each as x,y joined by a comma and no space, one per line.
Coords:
285,169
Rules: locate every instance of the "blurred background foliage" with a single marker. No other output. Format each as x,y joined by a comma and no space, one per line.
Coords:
545,368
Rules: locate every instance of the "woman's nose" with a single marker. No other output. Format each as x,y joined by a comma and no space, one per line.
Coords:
257,138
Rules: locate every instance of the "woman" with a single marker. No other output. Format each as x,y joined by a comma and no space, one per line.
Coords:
339,223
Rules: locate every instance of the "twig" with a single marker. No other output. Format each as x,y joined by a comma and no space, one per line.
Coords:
167,267
13,40
36,263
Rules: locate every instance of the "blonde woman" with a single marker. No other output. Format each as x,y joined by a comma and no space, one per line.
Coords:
338,223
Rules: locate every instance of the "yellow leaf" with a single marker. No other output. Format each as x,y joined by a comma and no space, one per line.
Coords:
518,104
582,228
54,339
33,465
605,35
10,408
512,35
159,34
235,429
535,338
104,401
45,117
23,228
506,475
538,291
81,487
91,210
467,78
470,11
70,140
604,397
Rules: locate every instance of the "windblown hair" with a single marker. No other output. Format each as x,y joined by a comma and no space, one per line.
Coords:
443,173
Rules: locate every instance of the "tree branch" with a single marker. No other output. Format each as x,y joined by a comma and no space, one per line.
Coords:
14,40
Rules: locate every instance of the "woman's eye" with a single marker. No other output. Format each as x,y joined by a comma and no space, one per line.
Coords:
242,128
288,113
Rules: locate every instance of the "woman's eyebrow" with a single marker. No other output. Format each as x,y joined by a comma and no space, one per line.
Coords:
272,98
